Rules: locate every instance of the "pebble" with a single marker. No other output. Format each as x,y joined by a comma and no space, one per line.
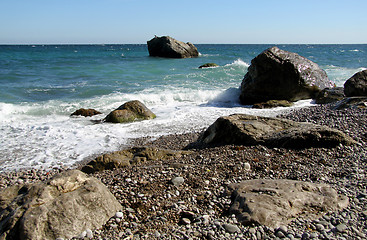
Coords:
119,215
177,181
89,233
247,166
341,228
231,228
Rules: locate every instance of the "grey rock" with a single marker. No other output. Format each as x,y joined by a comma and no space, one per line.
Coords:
169,47
62,207
129,157
356,85
231,228
341,227
275,202
274,132
276,74
177,181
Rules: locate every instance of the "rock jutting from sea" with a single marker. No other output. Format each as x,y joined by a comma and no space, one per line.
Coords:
276,74
169,47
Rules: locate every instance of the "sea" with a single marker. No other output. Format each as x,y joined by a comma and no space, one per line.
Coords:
41,85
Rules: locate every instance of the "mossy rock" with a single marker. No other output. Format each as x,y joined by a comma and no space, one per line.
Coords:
273,104
209,65
129,112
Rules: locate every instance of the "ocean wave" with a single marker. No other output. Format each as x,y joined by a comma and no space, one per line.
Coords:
238,63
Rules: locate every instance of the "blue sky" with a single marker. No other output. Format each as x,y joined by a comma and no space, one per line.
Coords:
199,21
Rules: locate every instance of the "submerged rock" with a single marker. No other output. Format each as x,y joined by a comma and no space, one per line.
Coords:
209,65
129,112
85,112
273,132
282,75
356,85
276,202
62,207
171,48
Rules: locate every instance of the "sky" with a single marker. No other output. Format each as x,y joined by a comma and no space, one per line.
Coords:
199,21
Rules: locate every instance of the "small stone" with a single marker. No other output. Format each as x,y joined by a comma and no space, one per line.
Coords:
283,228
185,221
247,166
89,233
279,234
231,228
252,230
305,236
314,235
177,181
319,227
341,228
119,215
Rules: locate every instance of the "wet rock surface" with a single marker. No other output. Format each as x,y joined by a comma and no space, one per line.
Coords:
129,112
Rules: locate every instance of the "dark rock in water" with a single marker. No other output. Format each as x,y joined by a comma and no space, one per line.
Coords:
356,85
245,129
127,157
277,202
351,102
85,112
129,112
330,95
171,48
62,207
209,65
273,104
282,75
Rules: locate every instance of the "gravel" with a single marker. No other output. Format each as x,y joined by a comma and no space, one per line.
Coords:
196,207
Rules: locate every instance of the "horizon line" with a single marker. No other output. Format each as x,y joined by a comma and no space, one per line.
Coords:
3,44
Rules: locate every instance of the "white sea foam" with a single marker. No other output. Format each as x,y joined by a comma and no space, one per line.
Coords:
239,62
44,135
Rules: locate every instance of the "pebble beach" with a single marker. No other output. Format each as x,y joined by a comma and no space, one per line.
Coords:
187,198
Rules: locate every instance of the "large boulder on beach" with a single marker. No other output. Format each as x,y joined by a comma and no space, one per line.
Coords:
62,207
276,74
171,48
356,86
276,202
129,157
129,112
243,129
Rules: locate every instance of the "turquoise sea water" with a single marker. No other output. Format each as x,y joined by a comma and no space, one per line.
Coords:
42,84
